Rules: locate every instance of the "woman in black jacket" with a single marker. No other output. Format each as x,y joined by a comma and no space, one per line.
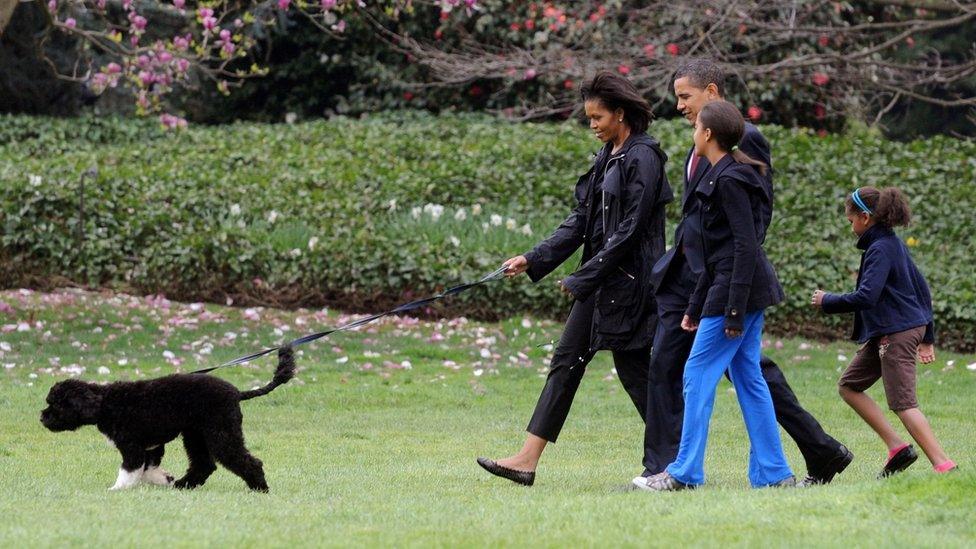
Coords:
619,222
726,309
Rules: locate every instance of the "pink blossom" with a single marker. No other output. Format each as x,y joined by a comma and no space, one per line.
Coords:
181,43
70,22
225,35
142,61
209,23
650,50
623,69
178,4
529,74
820,79
113,68
283,4
139,22
328,4
165,57
341,26
205,13
146,78
52,6
238,23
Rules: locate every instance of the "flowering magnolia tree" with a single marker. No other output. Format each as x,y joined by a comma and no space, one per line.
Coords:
835,59
155,47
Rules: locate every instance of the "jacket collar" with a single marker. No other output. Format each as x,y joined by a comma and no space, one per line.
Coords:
875,232
633,139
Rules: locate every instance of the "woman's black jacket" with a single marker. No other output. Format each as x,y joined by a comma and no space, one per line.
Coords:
629,208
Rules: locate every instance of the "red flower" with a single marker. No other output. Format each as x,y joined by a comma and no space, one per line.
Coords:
819,111
445,16
824,40
515,27
438,34
594,17
742,28
672,48
408,96
820,79
475,91
649,50
755,113
821,133
529,24
910,41
568,84
623,69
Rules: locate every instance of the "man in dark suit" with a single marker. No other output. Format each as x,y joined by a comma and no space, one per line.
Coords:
697,82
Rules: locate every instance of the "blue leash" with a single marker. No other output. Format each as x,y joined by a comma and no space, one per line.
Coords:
490,277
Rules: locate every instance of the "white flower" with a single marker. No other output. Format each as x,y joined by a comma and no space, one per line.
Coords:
435,210
476,209
4,346
526,230
455,240
406,365
478,372
295,252
168,355
312,242
342,360
415,212
235,209
510,224
290,118
102,370
34,180
496,219
526,323
122,361
461,214
272,216
392,205
485,353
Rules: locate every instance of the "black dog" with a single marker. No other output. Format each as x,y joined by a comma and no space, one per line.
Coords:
140,417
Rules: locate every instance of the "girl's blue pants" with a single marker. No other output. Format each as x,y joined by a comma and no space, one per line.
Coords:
711,355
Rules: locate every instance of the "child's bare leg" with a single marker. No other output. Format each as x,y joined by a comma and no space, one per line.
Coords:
872,414
919,428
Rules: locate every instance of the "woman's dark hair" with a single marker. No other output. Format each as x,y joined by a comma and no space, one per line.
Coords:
616,92
888,205
727,127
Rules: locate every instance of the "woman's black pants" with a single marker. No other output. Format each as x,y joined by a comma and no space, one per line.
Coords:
568,365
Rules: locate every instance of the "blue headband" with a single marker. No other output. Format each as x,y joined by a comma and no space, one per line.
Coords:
856,197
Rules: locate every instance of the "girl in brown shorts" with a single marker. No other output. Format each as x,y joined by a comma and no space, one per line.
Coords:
892,310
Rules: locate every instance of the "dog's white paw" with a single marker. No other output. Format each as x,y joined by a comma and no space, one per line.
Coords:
127,479
158,476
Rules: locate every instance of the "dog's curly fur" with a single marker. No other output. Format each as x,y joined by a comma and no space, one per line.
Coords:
140,417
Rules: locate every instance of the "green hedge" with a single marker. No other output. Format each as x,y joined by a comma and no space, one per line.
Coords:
334,212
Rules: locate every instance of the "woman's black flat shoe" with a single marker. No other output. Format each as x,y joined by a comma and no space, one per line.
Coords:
524,478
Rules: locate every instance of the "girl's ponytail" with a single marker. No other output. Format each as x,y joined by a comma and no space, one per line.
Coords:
727,127
887,206
744,158
892,208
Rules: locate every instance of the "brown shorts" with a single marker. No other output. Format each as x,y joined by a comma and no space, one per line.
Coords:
891,358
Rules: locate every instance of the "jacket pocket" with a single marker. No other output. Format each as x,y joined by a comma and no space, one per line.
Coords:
617,305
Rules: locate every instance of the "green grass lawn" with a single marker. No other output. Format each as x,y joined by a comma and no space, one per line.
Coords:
375,441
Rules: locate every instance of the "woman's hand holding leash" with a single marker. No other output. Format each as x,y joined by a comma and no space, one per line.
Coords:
515,266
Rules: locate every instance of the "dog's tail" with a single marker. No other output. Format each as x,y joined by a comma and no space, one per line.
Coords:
282,375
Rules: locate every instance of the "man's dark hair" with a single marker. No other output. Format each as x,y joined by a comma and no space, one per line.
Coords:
616,92
701,72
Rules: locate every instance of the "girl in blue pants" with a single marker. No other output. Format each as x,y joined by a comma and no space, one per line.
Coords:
738,283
